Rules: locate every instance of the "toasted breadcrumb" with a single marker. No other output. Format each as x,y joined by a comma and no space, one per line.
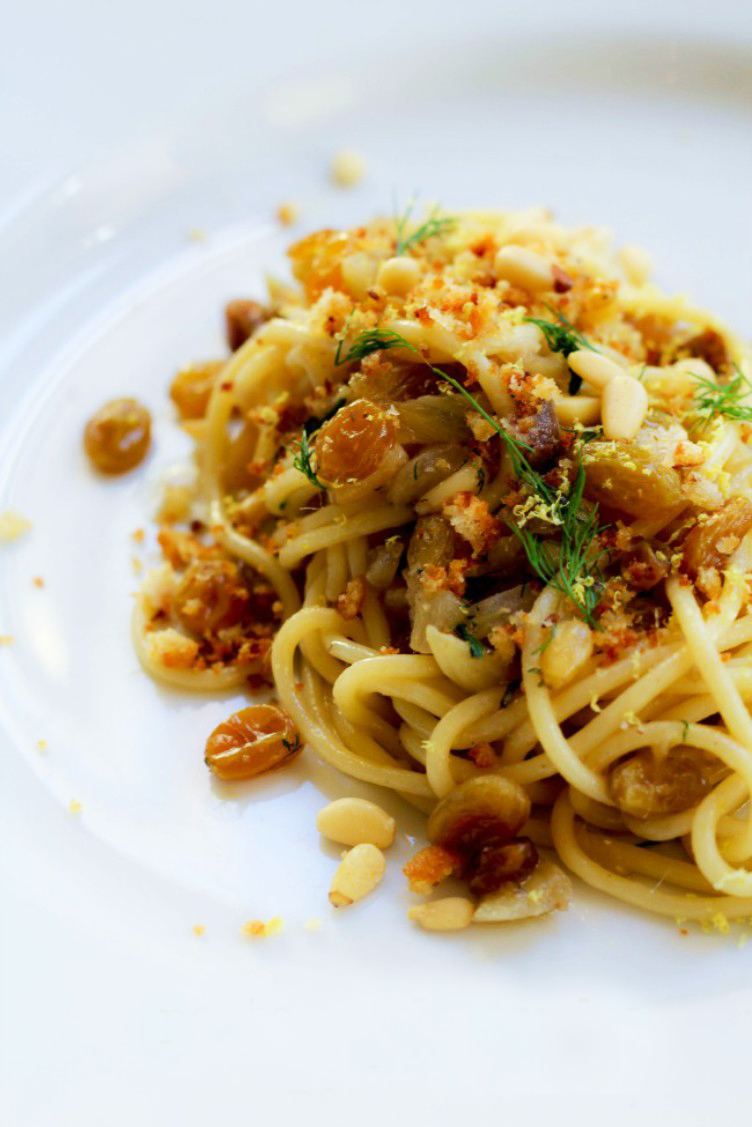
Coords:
38,581
429,867
138,535
172,649
257,929
720,923
6,639
288,213
74,806
12,525
41,745
472,520
350,602
198,929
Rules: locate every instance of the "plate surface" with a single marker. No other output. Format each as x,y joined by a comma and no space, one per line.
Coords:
113,290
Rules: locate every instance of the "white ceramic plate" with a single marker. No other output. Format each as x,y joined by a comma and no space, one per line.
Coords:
114,1009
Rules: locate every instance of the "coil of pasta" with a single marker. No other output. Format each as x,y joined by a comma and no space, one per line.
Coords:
475,497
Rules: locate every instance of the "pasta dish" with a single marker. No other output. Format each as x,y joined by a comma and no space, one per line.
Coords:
475,497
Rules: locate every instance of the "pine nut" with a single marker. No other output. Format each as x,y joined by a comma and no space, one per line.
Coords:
399,275
570,647
525,268
585,409
450,914
636,264
360,870
594,368
358,273
625,404
355,821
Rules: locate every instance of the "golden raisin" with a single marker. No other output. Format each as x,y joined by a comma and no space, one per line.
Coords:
352,445
191,389
254,740
243,318
631,479
710,544
210,596
117,436
645,786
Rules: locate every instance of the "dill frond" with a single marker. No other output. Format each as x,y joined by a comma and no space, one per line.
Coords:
712,399
303,461
565,338
476,646
370,340
434,227
567,566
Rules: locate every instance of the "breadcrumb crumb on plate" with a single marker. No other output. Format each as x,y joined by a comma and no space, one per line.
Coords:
75,806
6,639
12,526
198,929
257,929
288,213
348,168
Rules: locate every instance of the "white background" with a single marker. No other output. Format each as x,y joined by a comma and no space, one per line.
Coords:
122,126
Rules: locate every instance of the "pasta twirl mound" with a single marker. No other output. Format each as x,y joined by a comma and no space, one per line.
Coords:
476,498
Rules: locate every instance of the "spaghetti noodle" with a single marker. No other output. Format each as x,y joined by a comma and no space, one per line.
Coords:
477,497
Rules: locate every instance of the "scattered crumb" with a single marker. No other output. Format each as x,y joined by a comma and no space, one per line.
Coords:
75,807
137,565
683,931
288,213
6,639
257,929
742,940
12,525
197,234
198,929
312,925
38,581
348,167
41,745
138,535
720,923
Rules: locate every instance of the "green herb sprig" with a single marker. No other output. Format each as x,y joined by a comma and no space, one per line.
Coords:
476,646
376,340
434,227
712,399
303,461
568,568
565,338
